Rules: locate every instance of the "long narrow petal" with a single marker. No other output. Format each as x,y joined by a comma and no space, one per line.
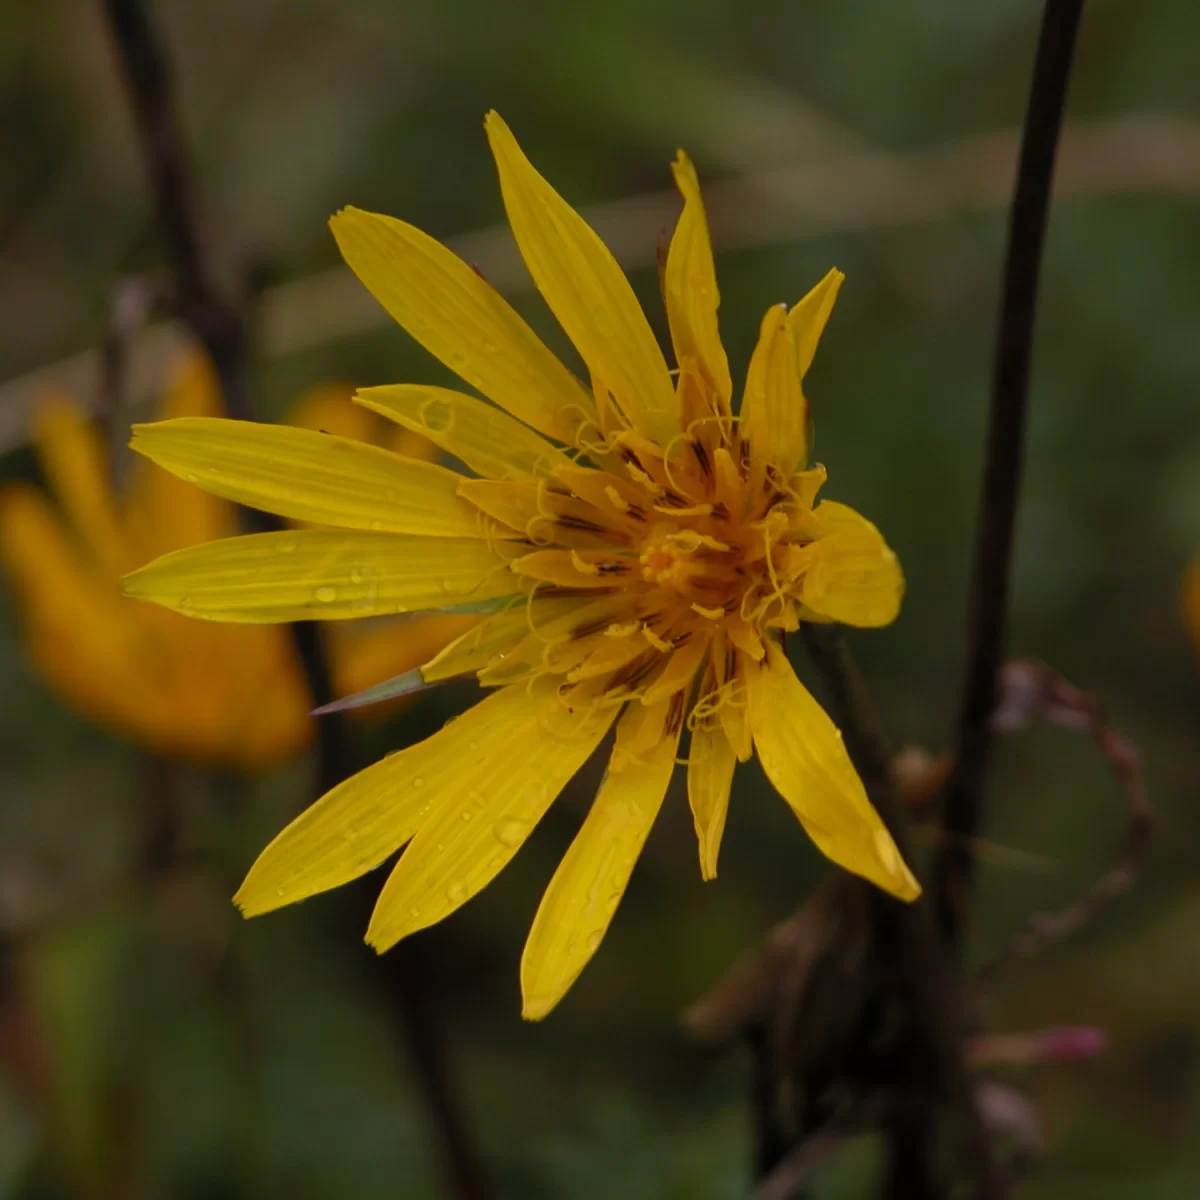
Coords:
321,573
586,290
83,639
311,476
711,761
809,317
361,658
691,287
802,753
774,416
486,438
462,320
854,576
361,822
579,904
72,454
495,636
498,792
164,512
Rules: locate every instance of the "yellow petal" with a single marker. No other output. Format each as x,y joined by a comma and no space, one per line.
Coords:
321,574
361,658
330,408
73,456
1189,600
579,904
83,639
311,476
369,817
494,637
680,670
854,576
488,799
774,415
710,776
802,753
586,290
570,568
163,512
691,287
809,316
462,320
487,439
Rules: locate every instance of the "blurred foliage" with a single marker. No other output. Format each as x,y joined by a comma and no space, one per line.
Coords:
180,1052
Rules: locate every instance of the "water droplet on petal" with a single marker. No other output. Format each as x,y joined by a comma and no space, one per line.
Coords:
190,477
326,594
466,815
593,940
457,893
376,525
437,416
418,781
414,912
356,575
511,833
286,545
185,602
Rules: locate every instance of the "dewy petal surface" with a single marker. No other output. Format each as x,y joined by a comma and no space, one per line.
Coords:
586,290
854,576
586,889
802,753
462,320
321,574
488,440
496,796
369,817
311,476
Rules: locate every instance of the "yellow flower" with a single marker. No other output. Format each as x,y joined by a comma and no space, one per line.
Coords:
217,694
642,552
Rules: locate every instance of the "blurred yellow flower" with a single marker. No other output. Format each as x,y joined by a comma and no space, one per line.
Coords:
642,550
226,695
1189,600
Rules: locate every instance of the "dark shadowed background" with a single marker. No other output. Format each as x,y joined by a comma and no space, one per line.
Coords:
181,1052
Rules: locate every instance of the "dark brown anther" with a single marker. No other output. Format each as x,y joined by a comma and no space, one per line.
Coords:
674,721
701,456
582,525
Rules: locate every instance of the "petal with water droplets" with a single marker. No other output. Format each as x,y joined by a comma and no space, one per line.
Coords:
591,879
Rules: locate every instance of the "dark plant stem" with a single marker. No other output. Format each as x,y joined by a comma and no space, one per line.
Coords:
221,328
906,939
218,326
988,610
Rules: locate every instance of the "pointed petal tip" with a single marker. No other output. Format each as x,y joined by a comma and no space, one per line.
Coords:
536,1009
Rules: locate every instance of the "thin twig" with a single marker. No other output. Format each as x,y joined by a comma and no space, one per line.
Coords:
988,611
1030,690
218,326
906,932
221,329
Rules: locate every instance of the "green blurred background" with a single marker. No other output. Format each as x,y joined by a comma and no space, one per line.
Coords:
166,1049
